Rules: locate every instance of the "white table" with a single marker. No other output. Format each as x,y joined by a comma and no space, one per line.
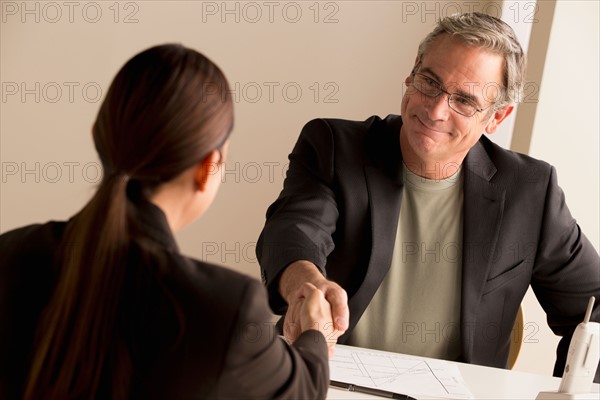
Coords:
487,383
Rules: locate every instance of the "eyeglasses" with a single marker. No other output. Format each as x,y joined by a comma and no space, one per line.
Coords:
432,88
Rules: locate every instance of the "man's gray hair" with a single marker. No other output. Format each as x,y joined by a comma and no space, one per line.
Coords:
493,34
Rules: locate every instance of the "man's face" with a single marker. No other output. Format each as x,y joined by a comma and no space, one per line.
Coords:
434,133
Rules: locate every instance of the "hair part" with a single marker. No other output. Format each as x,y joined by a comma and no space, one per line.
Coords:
493,34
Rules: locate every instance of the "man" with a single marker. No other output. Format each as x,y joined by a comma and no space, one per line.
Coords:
422,233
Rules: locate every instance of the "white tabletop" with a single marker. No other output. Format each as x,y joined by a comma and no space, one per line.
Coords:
487,383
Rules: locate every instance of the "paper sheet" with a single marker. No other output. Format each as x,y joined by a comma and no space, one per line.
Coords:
423,378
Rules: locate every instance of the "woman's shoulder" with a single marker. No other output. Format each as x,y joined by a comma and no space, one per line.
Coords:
36,240
237,301
219,277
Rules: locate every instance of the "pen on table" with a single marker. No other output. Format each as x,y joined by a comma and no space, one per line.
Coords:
367,390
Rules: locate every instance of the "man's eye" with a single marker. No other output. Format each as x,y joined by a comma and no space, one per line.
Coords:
431,82
463,101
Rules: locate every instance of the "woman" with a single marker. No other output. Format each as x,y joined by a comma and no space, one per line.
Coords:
104,306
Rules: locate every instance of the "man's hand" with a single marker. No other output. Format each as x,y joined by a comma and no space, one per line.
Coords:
292,280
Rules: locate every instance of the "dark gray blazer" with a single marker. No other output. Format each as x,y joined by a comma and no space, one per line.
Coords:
228,346
339,209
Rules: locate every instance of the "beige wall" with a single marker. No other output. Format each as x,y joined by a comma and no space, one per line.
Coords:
297,61
288,61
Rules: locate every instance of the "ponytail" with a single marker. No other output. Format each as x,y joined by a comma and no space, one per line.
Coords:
76,332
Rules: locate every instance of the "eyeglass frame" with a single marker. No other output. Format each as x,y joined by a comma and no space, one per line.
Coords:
438,85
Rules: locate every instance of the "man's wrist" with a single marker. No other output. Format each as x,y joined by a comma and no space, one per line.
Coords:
295,274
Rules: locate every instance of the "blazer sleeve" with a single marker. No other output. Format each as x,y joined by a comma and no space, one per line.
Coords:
260,365
566,271
300,223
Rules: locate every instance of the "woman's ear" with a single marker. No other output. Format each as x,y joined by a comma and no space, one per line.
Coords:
207,169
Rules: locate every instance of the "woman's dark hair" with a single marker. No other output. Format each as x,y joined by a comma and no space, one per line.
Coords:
165,111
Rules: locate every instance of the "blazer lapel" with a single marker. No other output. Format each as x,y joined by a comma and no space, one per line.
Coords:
384,204
483,209
384,184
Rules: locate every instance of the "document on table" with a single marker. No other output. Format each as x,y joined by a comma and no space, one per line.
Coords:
398,373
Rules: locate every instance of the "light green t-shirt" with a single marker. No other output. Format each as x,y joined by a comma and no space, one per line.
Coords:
416,310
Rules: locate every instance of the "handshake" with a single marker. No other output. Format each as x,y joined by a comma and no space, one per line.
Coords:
313,303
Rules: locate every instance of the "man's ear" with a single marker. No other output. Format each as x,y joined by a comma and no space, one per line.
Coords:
206,169
499,116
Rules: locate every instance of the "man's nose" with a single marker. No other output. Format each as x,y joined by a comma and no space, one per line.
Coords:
437,107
